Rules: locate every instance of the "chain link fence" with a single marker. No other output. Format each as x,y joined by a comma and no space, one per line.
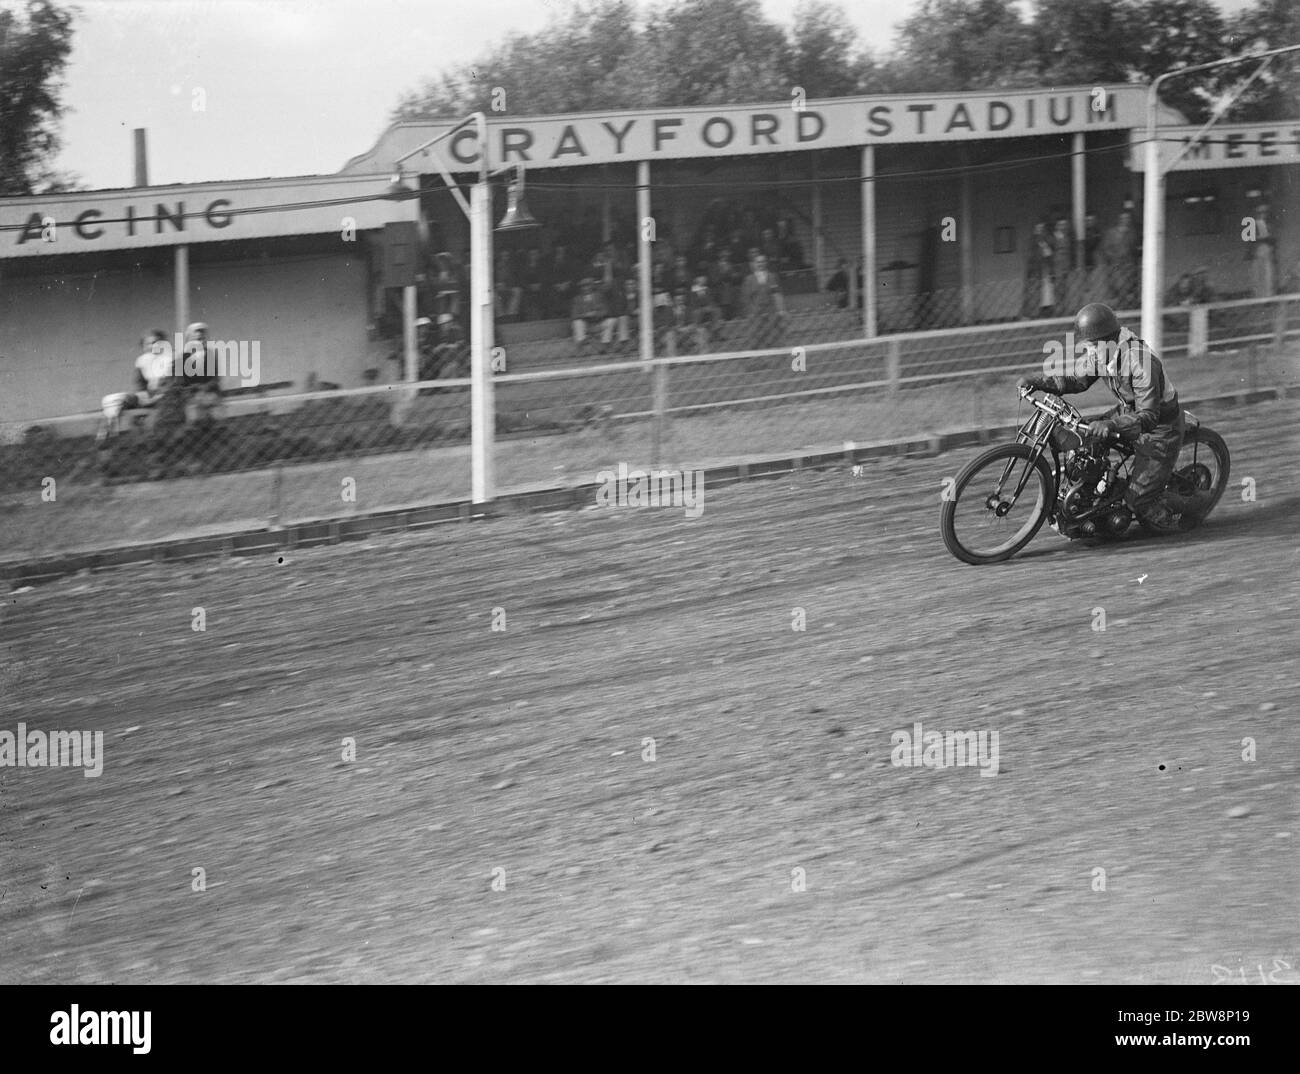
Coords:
572,404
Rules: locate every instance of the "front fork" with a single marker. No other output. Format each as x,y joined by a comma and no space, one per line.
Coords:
1001,507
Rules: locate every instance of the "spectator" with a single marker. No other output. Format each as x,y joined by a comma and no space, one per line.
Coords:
153,372
763,304
838,284
724,283
704,315
445,354
1063,274
607,266
588,310
200,388
680,277
1190,289
1039,294
1119,251
1262,253
1181,292
1091,240
621,304
707,248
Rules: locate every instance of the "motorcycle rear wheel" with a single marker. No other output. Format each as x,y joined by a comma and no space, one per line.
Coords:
1209,473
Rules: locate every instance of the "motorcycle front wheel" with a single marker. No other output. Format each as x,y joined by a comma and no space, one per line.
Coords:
979,521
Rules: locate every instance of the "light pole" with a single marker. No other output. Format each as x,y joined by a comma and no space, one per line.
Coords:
478,210
1153,189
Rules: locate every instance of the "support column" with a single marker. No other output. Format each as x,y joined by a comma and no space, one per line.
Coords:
819,241
644,266
966,240
482,404
869,293
181,281
606,210
410,337
1078,193
1153,240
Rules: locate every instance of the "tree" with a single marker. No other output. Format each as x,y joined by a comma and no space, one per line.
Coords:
1082,41
606,55
964,45
824,57
1276,94
34,47
1170,34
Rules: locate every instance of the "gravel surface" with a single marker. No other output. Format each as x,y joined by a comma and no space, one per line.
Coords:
502,820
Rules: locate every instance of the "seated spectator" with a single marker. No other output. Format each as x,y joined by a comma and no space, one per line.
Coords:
199,393
838,284
763,304
707,248
153,371
446,353
588,310
725,279
607,267
1190,289
705,316
680,277
1181,292
623,301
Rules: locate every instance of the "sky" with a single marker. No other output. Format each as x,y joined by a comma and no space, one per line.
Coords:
287,87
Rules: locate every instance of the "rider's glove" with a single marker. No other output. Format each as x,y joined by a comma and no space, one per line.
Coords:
1102,430
1028,383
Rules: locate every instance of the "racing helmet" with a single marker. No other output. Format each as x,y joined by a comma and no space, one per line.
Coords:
1096,322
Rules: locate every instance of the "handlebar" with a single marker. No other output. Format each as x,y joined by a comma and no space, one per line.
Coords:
1059,409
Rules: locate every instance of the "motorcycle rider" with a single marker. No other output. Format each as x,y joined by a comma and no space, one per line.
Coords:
1148,414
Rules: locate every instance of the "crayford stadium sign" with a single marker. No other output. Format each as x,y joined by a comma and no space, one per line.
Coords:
607,137
82,222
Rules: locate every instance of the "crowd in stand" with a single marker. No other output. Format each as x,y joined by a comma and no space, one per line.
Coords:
728,270
1111,270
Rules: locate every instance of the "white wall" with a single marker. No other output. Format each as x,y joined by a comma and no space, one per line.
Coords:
67,340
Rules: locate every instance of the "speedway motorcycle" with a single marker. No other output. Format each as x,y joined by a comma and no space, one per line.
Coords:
1054,472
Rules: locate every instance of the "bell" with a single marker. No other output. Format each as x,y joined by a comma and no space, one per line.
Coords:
517,216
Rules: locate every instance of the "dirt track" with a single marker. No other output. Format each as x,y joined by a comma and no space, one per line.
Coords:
521,750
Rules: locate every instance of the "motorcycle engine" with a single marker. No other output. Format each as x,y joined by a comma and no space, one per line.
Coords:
1083,472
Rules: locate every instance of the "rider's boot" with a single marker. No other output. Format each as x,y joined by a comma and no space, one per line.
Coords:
1188,503
1189,507
1161,519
